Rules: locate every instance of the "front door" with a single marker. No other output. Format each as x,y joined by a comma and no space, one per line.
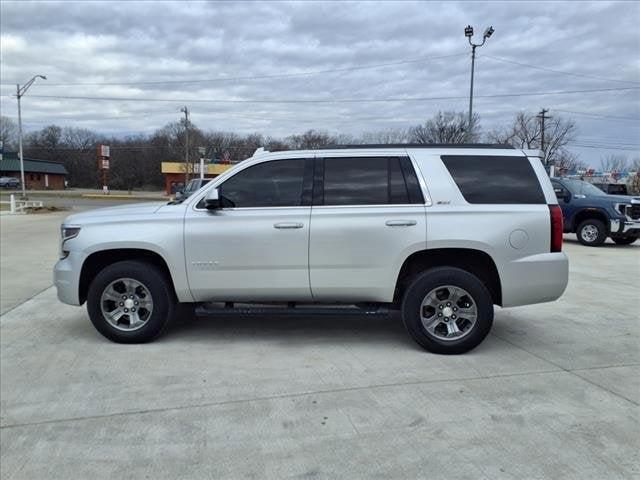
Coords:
254,248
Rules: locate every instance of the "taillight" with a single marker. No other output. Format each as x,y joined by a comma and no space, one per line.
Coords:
555,213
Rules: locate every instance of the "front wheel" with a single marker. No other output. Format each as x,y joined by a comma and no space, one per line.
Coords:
624,240
130,302
591,232
447,310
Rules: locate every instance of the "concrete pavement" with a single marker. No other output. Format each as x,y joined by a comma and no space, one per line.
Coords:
552,393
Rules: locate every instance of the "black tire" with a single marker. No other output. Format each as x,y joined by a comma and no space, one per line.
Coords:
432,279
158,285
624,240
585,232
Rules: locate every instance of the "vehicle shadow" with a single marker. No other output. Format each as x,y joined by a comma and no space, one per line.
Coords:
608,243
349,329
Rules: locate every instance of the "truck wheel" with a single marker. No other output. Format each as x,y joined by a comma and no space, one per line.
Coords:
447,310
592,232
130,302
624,240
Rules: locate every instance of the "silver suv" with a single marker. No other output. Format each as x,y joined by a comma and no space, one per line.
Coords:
440,233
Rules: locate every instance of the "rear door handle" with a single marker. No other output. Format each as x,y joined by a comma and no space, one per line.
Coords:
285,225
400,223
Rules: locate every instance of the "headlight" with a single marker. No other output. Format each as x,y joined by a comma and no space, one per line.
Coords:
67,233
621,208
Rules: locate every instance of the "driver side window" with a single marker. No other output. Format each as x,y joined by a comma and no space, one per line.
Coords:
561,192
278,183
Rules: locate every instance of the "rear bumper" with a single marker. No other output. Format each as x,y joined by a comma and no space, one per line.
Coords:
534,279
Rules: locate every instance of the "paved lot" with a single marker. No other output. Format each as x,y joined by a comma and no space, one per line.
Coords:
552,393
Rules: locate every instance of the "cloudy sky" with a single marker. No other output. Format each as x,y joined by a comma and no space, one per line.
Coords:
281,68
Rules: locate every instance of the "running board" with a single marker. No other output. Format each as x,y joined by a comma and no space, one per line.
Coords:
209,309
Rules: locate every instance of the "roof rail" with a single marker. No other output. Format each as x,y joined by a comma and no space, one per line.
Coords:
419,145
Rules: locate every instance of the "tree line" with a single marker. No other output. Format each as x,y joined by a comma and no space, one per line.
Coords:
135,160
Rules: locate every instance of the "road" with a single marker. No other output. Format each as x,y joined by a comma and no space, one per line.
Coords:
29,247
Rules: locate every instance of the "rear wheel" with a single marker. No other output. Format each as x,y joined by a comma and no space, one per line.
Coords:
592,232
130,302
447,310
624,240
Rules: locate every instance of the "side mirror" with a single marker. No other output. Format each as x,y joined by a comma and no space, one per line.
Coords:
212,200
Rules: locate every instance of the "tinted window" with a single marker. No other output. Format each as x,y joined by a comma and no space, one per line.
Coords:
364,181
271,184
492,179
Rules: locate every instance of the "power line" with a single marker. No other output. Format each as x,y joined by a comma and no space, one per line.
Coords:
603,147
599,115
254,77
583,75
342,100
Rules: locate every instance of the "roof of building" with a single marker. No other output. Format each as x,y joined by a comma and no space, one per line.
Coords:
11,163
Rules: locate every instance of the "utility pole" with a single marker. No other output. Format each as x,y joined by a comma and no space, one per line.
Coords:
185,110
468,32
19,94
543,116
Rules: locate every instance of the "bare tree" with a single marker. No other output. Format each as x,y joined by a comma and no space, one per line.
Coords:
447,127
568,162
393,135
618,162
526,132
8,133
310,139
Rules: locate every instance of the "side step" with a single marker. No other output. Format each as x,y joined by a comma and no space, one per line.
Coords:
229,308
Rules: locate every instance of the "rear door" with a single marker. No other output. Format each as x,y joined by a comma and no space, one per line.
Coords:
368,214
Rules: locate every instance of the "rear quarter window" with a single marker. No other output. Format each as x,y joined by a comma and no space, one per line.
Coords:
495,179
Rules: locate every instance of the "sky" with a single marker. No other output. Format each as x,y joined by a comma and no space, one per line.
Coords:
280,68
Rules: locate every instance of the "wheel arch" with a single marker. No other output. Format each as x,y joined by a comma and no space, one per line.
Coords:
97,261
474,261
590,213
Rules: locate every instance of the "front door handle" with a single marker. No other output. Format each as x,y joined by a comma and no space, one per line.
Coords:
285,225
400,223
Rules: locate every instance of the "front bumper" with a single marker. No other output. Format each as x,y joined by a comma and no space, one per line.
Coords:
66,278
621,227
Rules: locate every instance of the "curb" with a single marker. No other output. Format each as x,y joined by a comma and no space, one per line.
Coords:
121,197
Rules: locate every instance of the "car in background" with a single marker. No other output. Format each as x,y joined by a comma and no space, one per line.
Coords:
9,182
613,188
594,215
192,187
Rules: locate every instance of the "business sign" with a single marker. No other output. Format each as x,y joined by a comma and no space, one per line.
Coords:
103,151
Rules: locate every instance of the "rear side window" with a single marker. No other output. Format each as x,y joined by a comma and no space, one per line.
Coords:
493,179
368,181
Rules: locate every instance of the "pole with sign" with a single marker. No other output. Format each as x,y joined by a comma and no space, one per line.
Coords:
103,164
202,151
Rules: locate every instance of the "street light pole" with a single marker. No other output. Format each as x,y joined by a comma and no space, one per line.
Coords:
468,32
19,94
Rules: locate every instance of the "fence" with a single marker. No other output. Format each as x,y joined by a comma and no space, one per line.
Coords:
20,206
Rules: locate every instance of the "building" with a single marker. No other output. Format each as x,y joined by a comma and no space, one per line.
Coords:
174,173
38,174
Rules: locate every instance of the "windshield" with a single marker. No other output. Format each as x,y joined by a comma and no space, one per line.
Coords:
580,187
